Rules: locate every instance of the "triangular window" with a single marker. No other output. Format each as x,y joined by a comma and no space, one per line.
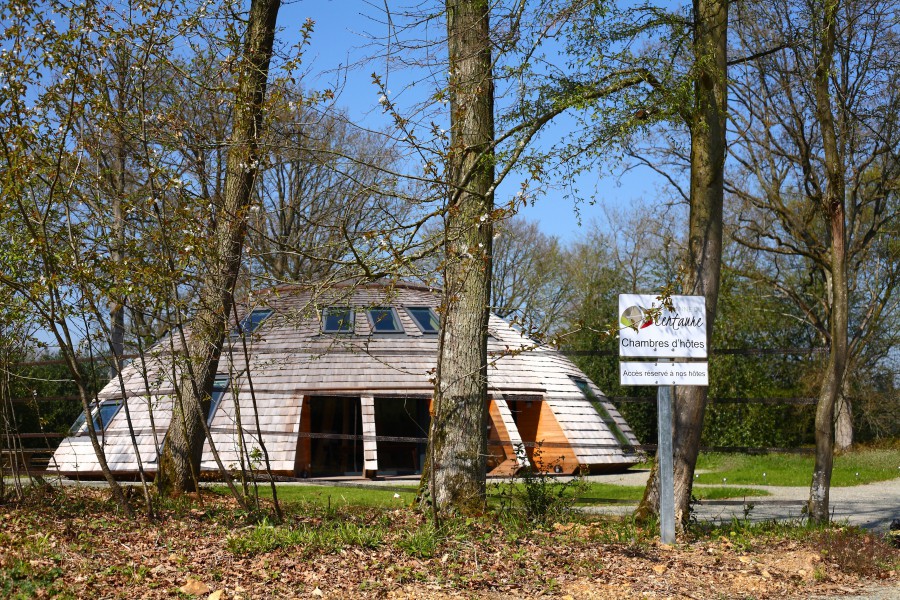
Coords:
597,403
220,386
102,416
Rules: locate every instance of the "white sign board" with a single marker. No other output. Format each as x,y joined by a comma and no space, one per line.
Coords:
664,373
647,330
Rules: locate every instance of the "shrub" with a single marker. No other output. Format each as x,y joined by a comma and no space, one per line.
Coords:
854,551
421,542
538,494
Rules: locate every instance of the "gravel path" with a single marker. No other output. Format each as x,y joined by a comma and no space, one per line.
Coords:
876,592
872,506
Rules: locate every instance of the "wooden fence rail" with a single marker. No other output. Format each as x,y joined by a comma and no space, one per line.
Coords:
718,400
28,460
629,399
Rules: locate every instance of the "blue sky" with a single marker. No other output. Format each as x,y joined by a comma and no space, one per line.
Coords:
339,38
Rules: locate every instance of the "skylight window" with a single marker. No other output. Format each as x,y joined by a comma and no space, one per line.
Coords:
384,320
337,319
604,414
220,386
425,318
101,415
251,322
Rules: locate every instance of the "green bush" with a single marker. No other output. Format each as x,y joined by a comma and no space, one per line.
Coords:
421,542
536,493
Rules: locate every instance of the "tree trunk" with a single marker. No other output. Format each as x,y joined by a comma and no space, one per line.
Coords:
834,210
708,147
458,441
843,426
183,448
117,304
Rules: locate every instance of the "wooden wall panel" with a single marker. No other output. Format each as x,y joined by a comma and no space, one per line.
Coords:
370,447
551,446
498,453
301,462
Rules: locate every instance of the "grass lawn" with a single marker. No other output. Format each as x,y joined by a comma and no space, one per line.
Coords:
341,496
852,468
729,471
592,494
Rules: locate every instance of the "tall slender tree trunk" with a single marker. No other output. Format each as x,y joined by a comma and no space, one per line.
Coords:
458,438
117,306
833,209
183,448
843,424
708,148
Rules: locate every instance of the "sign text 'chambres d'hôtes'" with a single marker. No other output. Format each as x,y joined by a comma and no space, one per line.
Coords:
647,329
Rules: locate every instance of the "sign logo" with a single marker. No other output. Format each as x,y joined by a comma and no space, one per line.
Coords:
651,329
636,317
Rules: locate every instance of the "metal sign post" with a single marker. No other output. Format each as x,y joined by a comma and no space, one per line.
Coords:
664,397
650,330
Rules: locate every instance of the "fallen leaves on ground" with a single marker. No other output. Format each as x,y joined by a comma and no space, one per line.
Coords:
80,547
194,588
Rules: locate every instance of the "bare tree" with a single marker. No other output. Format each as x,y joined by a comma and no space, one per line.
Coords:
531,282
457,442
818,136
784,148
182,452
833,206
324,185
706,120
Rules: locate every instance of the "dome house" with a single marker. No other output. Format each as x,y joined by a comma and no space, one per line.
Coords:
339,383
